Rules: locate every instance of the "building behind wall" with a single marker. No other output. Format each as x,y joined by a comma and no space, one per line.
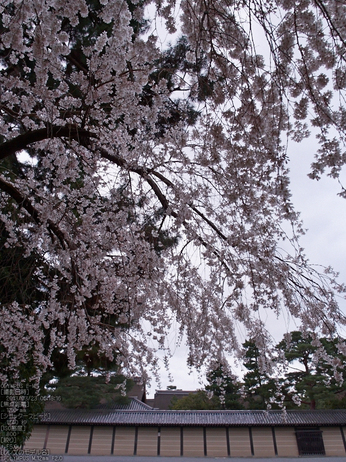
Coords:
140,430
164,399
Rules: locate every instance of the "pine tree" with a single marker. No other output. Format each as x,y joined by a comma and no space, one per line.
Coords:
225,387
259,386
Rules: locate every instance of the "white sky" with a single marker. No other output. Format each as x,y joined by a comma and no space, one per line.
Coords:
324,216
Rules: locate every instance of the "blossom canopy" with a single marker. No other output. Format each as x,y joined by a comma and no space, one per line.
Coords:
144,187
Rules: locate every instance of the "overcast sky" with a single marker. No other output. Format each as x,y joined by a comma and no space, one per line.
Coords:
324,217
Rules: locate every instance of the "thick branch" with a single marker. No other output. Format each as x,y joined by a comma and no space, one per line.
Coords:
23,141
32,211
83,137
9,189
331,24
141,171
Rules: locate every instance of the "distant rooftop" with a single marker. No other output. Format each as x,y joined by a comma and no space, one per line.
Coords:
174,392
163,398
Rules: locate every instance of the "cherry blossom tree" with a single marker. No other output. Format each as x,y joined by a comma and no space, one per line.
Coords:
148,185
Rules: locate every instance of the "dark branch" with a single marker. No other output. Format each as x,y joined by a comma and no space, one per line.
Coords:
83,137
23,141
20,199
24,202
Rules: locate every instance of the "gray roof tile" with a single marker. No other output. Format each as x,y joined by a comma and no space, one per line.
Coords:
134,405
195,418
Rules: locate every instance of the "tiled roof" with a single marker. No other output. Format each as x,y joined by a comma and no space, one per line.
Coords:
134,405
195,418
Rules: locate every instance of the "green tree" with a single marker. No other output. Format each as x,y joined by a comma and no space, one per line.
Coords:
316,377
198,400
86,392
259,386
225,388
222,392
334,369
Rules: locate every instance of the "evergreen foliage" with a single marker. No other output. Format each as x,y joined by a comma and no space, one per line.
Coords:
80,392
